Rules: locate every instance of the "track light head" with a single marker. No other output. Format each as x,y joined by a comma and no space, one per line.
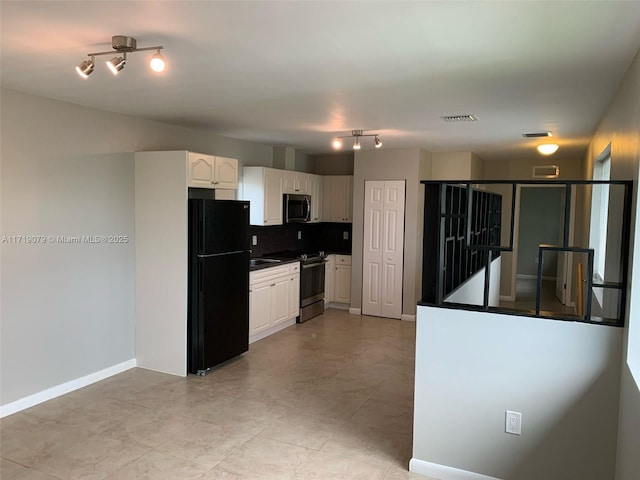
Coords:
116,64
336,143
377,142
156,62
356,144
85,68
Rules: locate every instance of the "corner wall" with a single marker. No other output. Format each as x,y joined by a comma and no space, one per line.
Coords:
67,309
389,164
621,127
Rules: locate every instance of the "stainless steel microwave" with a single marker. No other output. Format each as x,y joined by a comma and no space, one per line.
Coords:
297,208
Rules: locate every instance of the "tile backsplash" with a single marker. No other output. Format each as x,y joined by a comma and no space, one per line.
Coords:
314,236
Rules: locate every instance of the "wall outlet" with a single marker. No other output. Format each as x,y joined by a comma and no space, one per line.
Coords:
254,240
345,235
513,422
299,235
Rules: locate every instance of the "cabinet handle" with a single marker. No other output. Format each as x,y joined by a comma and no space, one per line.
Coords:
272,285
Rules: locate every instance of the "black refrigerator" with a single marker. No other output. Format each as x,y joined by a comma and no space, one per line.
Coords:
218,316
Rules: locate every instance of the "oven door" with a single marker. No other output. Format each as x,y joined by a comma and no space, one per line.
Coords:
311,283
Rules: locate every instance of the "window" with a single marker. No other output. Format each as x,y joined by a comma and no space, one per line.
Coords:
600,213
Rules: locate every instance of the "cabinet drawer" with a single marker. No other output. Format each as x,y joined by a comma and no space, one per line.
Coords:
343,259
266,274
294,267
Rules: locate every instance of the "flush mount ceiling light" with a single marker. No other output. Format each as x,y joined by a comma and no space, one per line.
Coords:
122,44
547,148
337,142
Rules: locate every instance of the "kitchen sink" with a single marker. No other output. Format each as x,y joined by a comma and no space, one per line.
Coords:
254,262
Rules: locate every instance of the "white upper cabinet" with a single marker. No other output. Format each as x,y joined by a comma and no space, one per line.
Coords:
295,182
263,188
337,205
315,190
208,171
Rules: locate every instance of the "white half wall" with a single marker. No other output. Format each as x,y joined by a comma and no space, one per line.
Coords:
562,376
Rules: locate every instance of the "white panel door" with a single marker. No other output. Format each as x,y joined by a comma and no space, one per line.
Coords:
383,248
393,249
372,248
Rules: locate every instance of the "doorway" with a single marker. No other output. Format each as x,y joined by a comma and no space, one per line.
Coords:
383,248
539,219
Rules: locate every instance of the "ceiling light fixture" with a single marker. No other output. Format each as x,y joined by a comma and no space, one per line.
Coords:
547,148
337,143
85,68
122,44
116,64
157,62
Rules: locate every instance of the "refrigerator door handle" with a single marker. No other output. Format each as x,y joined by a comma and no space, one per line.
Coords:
221,254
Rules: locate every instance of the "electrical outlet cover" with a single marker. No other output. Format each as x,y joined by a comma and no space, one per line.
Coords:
513,422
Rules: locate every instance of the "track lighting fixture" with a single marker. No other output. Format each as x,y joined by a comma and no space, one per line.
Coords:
337,143
122,44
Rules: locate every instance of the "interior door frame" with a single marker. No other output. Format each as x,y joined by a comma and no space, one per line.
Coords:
516,237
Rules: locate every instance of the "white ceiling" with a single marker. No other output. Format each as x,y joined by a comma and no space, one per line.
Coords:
298,73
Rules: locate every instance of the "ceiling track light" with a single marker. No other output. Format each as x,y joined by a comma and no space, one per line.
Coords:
122,44
337,142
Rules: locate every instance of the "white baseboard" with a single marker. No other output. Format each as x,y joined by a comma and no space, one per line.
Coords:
339,306
64,388
408,318
443,472
507,298
271,330
355,311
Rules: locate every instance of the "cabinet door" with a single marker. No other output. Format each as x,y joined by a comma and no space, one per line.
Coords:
259,307
329,279
272,197
279,300
343,284
201,171
289,181
315,189
341,201
294,296
302,183
226,173
326,198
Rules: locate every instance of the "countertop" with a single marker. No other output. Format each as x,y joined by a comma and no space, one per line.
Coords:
277,264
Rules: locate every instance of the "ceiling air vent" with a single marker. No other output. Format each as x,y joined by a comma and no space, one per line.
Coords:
536,134
460,118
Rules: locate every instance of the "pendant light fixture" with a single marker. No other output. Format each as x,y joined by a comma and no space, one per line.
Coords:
337,143
122,44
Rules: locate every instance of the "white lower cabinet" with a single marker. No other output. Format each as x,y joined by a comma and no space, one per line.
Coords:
329,279
274,297
338,279
343,279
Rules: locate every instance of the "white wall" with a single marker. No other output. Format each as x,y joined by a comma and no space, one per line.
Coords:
67,310
388,164
621,127
562,376
471,292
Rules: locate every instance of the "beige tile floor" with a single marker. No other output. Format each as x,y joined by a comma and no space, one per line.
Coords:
329,399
